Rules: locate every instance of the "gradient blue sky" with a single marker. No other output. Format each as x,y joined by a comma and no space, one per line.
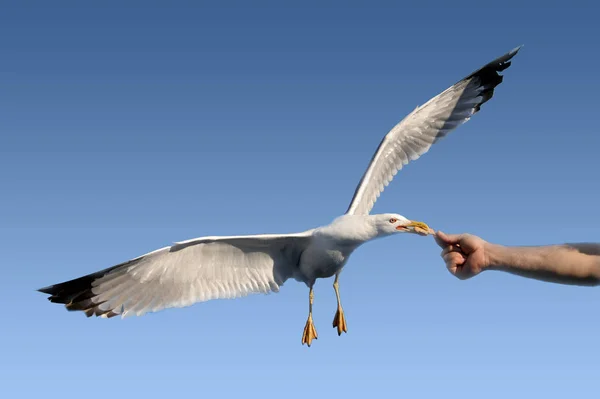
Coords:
129,125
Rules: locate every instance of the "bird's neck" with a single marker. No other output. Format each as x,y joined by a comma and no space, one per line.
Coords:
353,230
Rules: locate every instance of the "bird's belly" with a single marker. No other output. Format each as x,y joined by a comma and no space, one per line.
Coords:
324,264
326,270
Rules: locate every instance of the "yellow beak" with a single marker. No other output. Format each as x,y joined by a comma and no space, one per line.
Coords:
417,227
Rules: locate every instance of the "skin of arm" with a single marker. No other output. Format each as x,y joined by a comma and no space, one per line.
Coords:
467,255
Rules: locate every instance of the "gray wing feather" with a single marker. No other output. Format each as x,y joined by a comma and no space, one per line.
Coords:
415,134
185,273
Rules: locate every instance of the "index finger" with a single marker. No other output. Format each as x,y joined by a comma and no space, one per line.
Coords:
448,239
441,239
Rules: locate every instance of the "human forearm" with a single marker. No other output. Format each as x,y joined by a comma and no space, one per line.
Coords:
565,264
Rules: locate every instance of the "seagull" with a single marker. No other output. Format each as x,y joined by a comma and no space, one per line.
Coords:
219,267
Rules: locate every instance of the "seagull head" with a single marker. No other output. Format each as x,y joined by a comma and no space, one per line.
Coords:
392,223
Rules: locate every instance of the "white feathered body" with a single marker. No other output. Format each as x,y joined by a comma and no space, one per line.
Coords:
332,245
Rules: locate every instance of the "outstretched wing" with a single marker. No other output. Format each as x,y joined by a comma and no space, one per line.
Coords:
187,272
415,134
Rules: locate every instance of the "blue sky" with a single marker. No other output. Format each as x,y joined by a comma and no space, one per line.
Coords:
129,125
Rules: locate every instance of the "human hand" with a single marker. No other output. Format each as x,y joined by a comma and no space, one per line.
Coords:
464,254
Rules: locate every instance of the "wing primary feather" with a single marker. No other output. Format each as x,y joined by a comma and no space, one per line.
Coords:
414,135
194,271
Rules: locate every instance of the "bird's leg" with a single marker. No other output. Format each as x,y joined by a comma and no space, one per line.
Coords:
310,332
339,320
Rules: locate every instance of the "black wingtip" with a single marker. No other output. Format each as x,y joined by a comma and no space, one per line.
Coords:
74,294
489,75
77,294
46,290
514,51
497,65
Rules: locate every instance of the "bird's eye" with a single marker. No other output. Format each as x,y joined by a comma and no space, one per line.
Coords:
392,220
